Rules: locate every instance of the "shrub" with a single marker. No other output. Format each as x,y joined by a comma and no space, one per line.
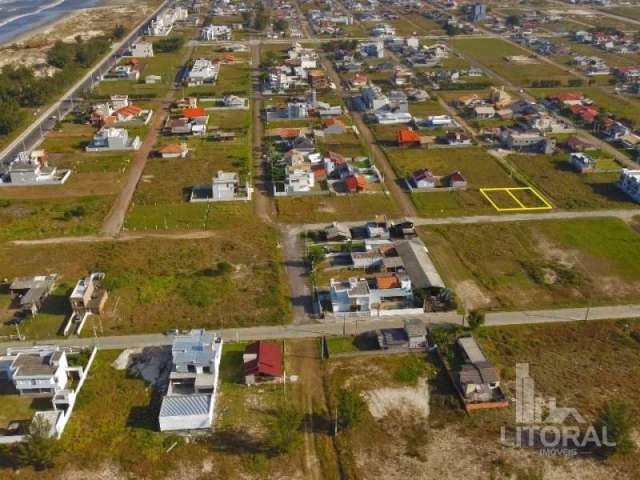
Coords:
616,417
475,319
351,408
284,429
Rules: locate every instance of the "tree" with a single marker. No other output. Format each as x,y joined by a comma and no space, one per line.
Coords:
513,20
61,54
280,25
167,45
615,416
284,429
38,449
223,267
351,408
119,31
475,319
10,116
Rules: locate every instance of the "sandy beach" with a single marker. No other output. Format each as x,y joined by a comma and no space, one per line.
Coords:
29,49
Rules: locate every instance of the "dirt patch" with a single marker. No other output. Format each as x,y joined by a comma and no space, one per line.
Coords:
472,295
383,401
106,471
323,207
566,258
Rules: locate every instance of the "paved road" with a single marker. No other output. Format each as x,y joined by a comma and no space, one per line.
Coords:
33,135
354,327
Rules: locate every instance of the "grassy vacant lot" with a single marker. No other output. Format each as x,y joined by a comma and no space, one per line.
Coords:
538,264
335,208
155,284
492,53
160,201
381,447
24,219
566,188
479,168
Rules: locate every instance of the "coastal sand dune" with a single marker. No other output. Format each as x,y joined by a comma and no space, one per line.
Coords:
30,49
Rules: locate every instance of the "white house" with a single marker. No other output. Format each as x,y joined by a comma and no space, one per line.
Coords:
299,181
629,182
193,382
216,32
113,139
581,162
141,50
364,295
35,371
202,71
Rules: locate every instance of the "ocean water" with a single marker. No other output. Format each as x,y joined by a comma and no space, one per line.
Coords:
20,16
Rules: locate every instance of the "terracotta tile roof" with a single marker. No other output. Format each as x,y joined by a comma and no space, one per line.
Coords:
355,182
390,281
129,110
194,112
289,132
172,148
406,135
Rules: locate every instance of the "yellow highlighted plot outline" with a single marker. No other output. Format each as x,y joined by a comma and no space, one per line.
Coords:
486,192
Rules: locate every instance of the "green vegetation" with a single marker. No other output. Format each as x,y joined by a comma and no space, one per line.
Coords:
334,208
478,167
284,429
38,450
351,408
538,264
155,284
493,53
615,416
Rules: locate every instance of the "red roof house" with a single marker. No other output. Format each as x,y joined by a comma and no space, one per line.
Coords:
407,137
263,362
194,112
355,183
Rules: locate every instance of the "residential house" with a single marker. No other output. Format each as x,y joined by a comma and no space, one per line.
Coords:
423,178
337,232
333,126
364,295
484,112
318,79
224,187
87,297
478,379
263,362
141,50
629,183
582,162
174,150
38,371
113,139
456,180
29,293
372,49
215,32
412,336
355,183
406,137
202,71
193,382
298,181
32,169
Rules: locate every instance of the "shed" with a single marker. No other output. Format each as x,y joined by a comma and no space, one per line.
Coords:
186,412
